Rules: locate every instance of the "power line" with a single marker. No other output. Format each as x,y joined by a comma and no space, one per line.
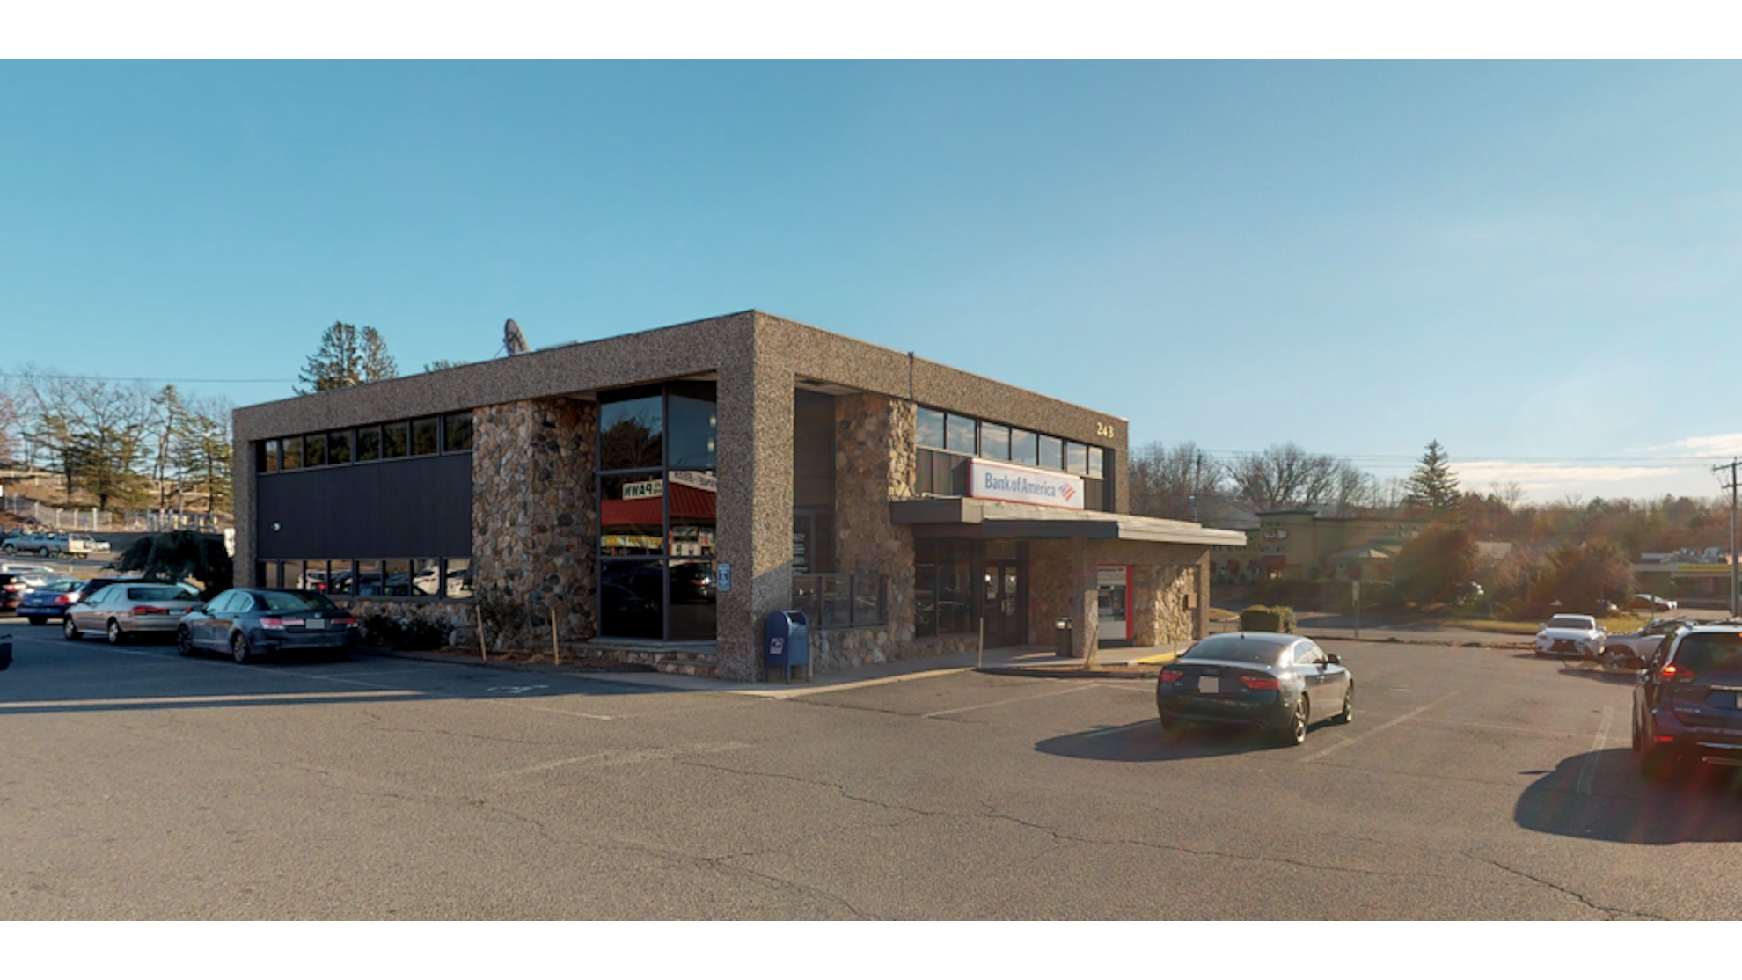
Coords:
186,381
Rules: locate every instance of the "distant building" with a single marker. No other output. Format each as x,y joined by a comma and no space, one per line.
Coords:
1298,545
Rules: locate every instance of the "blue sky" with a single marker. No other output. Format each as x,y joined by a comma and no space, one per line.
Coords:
1538,264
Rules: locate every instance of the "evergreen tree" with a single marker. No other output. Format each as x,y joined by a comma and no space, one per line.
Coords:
347,356
1432,485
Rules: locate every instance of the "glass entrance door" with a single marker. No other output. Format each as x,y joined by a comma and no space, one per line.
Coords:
1002,603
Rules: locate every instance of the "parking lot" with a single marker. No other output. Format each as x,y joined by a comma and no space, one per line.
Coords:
1473,783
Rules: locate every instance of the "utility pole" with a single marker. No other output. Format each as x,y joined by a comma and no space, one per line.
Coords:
1735,609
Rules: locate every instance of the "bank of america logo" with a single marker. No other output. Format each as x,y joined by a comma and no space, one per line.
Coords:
1068,492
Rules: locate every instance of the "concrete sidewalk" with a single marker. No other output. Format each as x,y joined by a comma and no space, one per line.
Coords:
1036,661
1040,660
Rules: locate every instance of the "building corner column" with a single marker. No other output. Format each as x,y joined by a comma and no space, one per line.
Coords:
755,497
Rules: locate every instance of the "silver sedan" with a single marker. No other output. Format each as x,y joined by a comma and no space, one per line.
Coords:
126,609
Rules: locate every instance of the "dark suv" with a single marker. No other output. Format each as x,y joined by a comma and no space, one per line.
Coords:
1687,705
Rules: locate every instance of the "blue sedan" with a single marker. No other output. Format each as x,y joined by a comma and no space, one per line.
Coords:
246,623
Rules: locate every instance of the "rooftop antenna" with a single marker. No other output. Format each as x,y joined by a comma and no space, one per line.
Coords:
513,340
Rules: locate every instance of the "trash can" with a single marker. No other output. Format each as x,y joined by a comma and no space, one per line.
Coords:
786,634
1063,625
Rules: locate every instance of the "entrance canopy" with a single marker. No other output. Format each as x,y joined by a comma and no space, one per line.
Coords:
966,517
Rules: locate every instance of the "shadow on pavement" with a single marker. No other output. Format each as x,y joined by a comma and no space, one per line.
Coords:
1701,804
94,678
1145,742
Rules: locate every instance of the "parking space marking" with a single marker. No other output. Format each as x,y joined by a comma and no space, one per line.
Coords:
199,699
1588,771
332,679
994,704
1400,719
1103,733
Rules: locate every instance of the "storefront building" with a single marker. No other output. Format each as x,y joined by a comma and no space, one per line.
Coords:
653,496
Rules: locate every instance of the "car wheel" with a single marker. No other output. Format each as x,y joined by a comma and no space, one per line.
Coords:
1168,723
239,648
68,630
184,642
116,635
1295,731
1348,713
38,620
9,550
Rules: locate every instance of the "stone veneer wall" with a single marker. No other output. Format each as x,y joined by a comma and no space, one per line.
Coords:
875,463
1164,617
460,618
534,520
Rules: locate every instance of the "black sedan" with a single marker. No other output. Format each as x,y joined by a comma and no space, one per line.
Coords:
250,622
1274,682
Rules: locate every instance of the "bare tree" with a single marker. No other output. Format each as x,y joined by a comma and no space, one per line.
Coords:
1173,482
1288,476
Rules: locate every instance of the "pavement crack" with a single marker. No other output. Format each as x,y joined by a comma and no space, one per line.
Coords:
1575,896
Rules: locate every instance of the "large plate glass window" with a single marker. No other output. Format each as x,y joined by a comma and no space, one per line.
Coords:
269,456
458,580
1024,447
314,450
395,440
994,441
424,437
339,448
960,435
369,444
1077,458
658,447
929,428
293,453
457,433
1052,453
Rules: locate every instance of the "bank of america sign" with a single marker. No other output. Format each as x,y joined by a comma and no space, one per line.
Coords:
1021,485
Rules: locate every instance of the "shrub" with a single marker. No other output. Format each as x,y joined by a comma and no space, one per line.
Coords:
407,633
1267,619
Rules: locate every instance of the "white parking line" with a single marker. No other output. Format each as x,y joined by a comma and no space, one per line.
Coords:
1400,719
1588,771
994,704
281,672
193,700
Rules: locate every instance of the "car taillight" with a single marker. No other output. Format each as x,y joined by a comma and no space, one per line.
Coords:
278,622
14,586
1255,683
63,600
1169,676
1674,673
149,611
343,621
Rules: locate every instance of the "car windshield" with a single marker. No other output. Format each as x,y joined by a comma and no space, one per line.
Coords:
1710,651
1246,649
294,601
62,585
1572,623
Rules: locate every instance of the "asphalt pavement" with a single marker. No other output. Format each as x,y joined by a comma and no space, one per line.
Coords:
1474,783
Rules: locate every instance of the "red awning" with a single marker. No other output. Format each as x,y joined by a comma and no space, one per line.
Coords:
687,504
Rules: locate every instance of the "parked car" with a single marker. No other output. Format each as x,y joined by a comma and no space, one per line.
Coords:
1570,635
90,588
246,623
47,544
1631,651
1687,703
126,609
51,601
12,589
1275,682
1651,602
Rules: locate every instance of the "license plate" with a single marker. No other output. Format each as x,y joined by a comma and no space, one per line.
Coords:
315,624
1209,685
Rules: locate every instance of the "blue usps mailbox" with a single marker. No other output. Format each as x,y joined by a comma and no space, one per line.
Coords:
787,635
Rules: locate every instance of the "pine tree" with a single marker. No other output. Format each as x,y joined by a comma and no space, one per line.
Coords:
347,356
1432,485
